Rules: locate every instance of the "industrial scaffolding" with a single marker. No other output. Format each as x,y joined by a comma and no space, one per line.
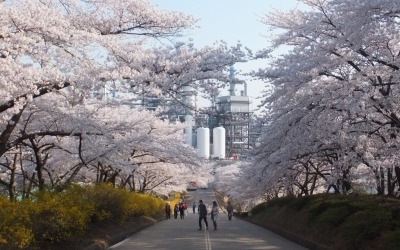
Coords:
233,113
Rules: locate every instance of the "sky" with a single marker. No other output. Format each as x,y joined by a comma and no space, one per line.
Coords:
232,21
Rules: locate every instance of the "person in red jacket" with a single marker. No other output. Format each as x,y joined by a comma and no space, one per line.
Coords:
185,208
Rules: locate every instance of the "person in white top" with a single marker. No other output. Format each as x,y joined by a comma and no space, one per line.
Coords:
214,214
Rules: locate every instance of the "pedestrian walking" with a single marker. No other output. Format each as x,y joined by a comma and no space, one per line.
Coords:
194,207
176,210
214,214
229,209
202,214
168,211
185,208
181,210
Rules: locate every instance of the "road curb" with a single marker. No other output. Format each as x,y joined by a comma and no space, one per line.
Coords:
288,235
105,244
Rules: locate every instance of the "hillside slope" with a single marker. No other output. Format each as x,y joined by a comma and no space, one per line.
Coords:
330,221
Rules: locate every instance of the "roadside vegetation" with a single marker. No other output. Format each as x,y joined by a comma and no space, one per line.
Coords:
329,221
50,218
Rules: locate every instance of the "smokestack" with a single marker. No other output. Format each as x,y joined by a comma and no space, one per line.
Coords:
232,84
188,129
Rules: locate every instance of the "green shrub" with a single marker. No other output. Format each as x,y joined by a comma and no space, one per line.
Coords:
281,201
259,208
332,217
364,225
336,221
317,206
391,240
300,202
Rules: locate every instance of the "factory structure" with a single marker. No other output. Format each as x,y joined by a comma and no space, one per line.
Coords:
224,132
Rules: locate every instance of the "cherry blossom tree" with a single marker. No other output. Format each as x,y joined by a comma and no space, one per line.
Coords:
126,146
334,108
56,54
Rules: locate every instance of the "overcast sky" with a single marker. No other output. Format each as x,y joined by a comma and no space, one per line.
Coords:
230,21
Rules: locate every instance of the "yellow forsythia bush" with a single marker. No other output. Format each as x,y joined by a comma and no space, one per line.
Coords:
109,202
144,204
15,232
58,216
50,217
121,203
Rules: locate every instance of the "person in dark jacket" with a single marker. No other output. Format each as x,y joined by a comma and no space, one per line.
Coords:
176,210
202,214
181,210
229,209
168,211
194,207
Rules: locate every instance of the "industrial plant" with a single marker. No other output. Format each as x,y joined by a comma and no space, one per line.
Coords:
222,131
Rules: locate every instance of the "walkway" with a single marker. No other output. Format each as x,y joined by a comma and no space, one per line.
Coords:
184,234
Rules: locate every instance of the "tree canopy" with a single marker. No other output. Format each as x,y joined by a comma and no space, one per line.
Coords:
332,119
56,124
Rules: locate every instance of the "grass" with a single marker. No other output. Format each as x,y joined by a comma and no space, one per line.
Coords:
329,221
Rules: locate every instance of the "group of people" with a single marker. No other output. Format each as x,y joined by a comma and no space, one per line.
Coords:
214,214
181,208
203,215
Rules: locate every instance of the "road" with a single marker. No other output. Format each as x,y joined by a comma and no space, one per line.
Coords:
184,233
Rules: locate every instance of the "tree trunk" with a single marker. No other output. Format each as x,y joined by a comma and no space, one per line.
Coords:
397,172
6,133
11,188
382,181
389,182
28,191
39,163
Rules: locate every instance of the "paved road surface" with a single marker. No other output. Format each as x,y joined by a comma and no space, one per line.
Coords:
184,234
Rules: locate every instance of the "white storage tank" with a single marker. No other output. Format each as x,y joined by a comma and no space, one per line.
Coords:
203,142
219,142
188,129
